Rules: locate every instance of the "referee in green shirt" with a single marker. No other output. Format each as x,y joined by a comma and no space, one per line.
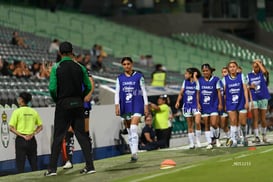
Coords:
25,122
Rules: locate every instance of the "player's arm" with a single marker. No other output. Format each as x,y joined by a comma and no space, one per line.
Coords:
117,108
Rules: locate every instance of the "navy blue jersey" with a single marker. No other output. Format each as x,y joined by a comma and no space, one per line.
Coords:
209,95
87,105
234,91
130,95
261,91
189,101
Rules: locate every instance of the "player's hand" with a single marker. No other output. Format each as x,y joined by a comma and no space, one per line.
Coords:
177,105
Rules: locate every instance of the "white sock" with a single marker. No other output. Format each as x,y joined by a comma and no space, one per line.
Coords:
217,133
208,136
243,131
256,132
134,138
197,135
128,130
233,133
263,131
191,138
129,138
227,134
212,131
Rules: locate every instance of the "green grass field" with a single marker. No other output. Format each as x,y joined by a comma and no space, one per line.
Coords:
221,164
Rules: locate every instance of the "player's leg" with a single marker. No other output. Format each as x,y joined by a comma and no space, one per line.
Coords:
233,118
134,136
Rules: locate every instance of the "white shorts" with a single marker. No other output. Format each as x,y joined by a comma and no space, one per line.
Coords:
211,114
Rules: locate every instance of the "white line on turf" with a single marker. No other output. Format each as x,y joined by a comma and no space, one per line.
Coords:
164,173
268,150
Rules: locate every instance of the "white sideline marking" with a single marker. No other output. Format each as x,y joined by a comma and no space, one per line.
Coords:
243,155
268,150
224,160
164,173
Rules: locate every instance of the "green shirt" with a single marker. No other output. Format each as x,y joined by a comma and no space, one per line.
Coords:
53,81
25,120
162,117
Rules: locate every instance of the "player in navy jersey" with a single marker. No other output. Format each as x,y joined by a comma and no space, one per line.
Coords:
236,100
210,100
223,114
131,102
188,95
258,81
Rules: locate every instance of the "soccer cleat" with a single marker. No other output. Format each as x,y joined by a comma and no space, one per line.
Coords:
68,165
264,139
50,173
229,142
218,143
234,144
256,140
87,171
209,147
191,146
134,158
213,141
245,142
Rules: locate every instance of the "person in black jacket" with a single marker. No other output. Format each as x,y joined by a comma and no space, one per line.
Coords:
67,80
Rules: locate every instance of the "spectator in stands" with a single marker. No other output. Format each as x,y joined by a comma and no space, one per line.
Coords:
149,59
148,140
87,59
17,40
5,68
21,70
54,46
98,66
143,60
159,76
35,68
101,51
79,58
44,71
25,123
95,50
161,122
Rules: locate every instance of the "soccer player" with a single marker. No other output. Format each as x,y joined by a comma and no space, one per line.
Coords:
210,100
223,114
131,102
258,81
188,95
236,100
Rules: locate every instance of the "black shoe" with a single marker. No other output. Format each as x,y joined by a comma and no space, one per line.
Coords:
87,171
256,140
134,158
50,173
